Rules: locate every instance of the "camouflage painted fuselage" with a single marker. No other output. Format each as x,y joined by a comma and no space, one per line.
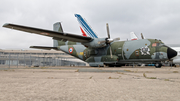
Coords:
123,52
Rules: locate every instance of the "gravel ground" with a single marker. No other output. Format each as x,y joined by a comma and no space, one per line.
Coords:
76,84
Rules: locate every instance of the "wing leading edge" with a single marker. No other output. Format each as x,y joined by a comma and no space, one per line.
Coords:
49,33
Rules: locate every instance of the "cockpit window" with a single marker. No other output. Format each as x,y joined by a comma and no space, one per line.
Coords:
157,44
154,44
161,44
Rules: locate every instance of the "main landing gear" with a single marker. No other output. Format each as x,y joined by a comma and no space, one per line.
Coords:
158,65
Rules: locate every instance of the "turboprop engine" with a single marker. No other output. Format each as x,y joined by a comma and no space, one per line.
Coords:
101,42
95,43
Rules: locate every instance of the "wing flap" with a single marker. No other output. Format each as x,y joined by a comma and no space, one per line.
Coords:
49,33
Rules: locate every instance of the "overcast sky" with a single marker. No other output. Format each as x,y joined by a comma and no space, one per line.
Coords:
154,18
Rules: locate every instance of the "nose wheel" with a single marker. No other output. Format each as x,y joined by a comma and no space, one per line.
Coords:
158,65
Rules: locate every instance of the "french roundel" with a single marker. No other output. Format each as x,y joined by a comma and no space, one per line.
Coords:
70,50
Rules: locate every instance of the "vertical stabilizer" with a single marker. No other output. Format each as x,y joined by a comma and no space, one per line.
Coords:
58,27
85,27
133,36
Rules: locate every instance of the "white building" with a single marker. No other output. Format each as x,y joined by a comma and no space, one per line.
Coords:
38,58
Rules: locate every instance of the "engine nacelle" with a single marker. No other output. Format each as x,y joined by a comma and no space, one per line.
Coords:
95,43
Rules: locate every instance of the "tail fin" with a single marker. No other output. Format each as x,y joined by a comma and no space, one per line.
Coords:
85,27
58,27
133,36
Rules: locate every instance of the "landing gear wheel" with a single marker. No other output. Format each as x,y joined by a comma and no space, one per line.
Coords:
158,65
110,65
118,65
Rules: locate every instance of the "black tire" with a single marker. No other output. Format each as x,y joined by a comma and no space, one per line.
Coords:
158,65
110,65
118,65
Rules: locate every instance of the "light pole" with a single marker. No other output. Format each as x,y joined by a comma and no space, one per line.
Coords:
17,59
9,60
44,59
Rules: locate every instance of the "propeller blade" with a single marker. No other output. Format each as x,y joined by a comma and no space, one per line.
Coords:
110,51
116,39
142,36
107,27
111,40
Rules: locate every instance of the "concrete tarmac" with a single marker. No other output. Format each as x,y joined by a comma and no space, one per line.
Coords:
89,84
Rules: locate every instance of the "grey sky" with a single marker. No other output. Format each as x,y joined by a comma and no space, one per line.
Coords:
155,19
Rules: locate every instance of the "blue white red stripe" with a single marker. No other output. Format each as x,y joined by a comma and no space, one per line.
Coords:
86,28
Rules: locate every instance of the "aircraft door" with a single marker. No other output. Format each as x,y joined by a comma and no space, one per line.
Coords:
85,54
157,48
119,53
118,50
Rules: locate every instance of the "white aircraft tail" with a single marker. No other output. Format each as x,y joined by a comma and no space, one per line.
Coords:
133,36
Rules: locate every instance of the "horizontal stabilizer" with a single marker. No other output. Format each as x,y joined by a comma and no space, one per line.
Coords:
43,47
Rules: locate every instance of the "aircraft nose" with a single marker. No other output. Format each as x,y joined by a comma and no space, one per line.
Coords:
171,53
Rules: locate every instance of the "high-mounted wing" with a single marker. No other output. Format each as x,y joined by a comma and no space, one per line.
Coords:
49,33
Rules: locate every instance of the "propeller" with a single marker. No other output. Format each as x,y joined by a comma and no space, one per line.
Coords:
142,36
107,27
108,40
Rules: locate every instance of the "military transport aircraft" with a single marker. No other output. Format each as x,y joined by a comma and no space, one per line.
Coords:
102,51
